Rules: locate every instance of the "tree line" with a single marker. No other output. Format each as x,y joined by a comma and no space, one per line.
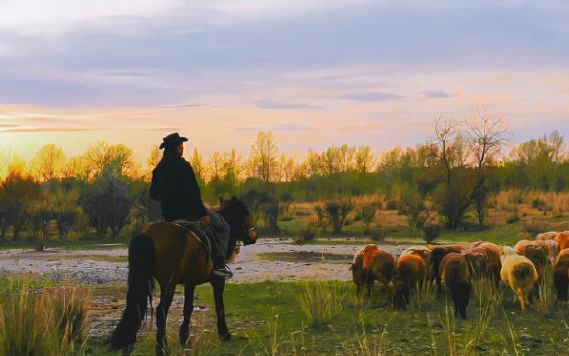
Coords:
104,190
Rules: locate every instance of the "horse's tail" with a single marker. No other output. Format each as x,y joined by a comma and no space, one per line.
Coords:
141,260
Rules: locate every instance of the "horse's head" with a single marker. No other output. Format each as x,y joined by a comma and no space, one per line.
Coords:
238,217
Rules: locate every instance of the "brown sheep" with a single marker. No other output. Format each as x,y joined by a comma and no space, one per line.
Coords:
493,264
563,240
438,252
421,251
561,275
477,263
378,265
456,278
411,271
357,269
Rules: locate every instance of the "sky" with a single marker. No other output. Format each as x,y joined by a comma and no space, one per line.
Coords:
316,73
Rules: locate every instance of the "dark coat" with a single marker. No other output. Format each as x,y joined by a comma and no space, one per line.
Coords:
175,186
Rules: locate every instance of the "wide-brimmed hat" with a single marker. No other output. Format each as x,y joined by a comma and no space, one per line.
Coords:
173,139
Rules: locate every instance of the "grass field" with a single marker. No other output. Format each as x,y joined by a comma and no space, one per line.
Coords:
317,318
267,319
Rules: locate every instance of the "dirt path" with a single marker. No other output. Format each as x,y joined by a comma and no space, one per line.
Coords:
108,266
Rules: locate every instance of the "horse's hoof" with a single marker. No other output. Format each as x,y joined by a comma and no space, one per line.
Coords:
226,336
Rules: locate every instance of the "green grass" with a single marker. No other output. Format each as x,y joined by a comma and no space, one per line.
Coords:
507,234
98,242
268,318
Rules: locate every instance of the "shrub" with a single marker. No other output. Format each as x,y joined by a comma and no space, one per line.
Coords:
391,205
431,233
513,219
378,235
366,212
338,212
308,234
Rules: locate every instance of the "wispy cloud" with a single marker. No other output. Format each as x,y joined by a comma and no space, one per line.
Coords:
269,104
45,129
290,127
371,96
436,94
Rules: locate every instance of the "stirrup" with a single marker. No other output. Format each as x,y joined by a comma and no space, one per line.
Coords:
224,272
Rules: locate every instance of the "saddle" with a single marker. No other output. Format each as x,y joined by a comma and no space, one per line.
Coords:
205,234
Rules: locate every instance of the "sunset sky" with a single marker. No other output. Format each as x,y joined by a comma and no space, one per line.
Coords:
316,73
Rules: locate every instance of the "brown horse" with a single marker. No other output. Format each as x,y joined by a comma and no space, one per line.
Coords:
172,255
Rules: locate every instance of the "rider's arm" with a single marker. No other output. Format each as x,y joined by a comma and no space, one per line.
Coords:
193,191
155,191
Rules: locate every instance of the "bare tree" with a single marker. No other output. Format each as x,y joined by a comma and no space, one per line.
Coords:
264,156
463,159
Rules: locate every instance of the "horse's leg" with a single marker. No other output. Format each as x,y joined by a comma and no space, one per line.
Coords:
218,284
188,308
166,296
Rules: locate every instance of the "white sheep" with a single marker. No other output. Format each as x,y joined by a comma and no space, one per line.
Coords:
519,273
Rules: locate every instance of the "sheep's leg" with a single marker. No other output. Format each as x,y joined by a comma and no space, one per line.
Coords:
522,297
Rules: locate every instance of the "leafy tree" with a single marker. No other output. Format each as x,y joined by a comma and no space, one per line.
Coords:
107,202
48,163
18,194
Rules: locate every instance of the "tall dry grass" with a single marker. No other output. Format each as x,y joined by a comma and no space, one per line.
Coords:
321,301
549,202
424,296
366,344
43,322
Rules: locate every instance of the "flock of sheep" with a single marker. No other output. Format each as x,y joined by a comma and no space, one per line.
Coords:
456,266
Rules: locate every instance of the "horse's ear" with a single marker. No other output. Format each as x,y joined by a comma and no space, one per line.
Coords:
221,200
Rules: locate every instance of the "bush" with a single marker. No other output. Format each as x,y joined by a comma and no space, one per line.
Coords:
513,219
366,212
431,233
391,205
378,235
338,212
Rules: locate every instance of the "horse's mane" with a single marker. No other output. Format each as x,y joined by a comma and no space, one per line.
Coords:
232,210
235,212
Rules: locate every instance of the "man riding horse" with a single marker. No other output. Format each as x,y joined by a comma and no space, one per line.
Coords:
171,253
175,186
